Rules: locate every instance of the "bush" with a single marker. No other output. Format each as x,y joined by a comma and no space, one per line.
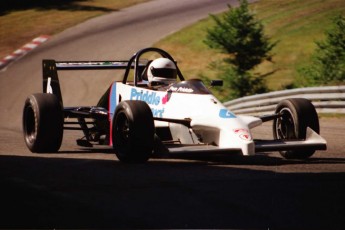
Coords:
239,35
328,60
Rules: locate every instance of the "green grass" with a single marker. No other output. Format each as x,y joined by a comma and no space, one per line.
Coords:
295,24
21,21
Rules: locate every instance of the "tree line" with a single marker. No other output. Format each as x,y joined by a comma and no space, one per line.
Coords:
240,36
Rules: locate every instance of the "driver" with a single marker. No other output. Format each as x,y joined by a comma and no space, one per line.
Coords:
161,73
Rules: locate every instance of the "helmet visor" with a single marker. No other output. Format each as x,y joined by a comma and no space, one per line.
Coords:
164,72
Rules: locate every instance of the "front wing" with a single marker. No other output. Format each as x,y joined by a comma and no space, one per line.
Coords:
313,141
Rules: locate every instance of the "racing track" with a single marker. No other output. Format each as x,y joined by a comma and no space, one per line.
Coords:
80,187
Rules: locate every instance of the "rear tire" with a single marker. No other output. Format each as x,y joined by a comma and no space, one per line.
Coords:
43,123
133,132
298,114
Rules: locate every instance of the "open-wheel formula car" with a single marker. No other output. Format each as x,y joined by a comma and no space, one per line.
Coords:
161,111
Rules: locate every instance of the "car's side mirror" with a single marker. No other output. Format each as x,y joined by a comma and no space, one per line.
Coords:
216,82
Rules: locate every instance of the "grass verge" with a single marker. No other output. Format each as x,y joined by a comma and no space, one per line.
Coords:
21,21
295,24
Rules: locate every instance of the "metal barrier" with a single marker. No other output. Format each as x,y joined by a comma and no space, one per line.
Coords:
330,99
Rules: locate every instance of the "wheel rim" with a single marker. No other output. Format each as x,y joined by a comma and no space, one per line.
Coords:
285,125
122,132
30,124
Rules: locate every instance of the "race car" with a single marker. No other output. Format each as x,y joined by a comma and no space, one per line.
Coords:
161,111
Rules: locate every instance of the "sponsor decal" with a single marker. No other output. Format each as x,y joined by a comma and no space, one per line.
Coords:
165,99
157,112
224,113
243,134
49,87
181,89
151,98
246,137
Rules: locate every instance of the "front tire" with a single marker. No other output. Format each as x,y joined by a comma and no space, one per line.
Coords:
43,123
297,115
133,132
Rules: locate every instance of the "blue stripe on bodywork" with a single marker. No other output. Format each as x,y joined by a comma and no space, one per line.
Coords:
112,100
224,113
112,107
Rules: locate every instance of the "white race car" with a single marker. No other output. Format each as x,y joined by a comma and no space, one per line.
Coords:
136,119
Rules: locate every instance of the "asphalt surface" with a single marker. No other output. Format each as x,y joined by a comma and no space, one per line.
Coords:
90,188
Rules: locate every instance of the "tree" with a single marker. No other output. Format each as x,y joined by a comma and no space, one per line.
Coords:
328,60
240,35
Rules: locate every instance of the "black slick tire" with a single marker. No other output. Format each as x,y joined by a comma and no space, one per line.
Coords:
297,115
133,132
43,123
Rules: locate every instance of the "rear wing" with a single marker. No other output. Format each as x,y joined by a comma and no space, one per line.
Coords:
51,67
90,65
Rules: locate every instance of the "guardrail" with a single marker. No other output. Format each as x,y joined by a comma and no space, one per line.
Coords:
330,99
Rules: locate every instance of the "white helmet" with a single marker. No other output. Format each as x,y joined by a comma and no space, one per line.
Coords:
161,71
